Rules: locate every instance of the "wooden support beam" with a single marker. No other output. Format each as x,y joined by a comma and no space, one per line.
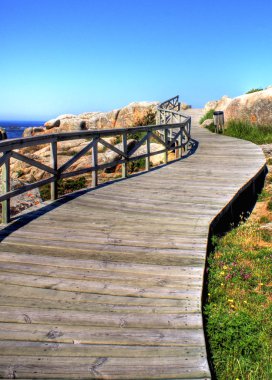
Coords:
94,163
124,147
147,160
54,165
6,189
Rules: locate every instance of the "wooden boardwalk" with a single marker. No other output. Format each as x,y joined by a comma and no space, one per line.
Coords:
108,285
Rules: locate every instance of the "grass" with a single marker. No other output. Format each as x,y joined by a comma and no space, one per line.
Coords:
239,307
258,134
207,115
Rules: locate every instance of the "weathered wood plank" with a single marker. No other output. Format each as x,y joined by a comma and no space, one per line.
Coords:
109,284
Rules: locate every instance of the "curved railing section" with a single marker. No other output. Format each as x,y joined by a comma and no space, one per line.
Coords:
168,112
174,136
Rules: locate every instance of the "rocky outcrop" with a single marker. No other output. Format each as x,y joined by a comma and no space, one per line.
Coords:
126,117
207,123
218,105
255,108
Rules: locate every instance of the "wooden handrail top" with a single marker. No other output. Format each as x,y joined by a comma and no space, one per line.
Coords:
17,143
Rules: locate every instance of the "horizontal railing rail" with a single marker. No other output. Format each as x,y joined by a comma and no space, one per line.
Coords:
12,149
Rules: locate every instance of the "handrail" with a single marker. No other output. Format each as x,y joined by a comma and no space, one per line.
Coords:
11,148
169,113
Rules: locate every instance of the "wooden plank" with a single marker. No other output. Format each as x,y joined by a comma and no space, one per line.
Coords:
6,188
33,315
90,300
103,367
25,348
184,291
101,335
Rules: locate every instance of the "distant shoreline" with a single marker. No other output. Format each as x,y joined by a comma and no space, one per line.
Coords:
15,128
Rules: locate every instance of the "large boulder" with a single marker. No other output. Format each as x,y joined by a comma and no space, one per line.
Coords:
218,105
128,116
255,108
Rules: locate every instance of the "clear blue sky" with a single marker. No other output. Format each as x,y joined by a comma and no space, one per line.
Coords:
72,56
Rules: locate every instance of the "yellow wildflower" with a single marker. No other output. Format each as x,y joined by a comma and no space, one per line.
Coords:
230,301
225,267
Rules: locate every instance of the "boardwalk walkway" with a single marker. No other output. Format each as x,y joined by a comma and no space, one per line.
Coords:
109,284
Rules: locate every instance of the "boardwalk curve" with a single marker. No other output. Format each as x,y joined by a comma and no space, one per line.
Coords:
109,284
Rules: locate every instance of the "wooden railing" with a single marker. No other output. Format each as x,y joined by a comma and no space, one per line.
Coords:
169,112
11,149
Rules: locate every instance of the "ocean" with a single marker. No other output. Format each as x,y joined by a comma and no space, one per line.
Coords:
15,129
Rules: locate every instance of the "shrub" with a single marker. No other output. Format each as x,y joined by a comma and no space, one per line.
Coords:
254,90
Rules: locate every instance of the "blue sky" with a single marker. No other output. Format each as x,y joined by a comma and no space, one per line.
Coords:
73,56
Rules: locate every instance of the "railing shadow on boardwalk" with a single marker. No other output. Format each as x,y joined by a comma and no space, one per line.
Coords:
26,217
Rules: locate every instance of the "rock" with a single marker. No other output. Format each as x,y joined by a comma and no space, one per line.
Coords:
185,106
267,149
54,123
154,147
23,201
28,132
111,156
134,114
128,116
38,129
255,108
207,123
218,105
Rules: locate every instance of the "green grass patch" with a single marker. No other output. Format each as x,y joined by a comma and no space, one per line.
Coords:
258,134
207,115
239,307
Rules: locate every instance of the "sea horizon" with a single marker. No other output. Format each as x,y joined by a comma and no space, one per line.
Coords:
15,128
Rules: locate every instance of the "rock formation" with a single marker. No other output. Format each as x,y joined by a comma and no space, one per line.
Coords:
255,108
126,117
218,105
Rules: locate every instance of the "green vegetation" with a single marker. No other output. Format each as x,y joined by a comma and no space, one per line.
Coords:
239,307
137,165
64,187
207,115
254,90
258,134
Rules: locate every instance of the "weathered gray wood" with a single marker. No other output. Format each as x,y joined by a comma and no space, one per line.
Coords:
94,162
124,165
54,164
109,284
147,160
6,188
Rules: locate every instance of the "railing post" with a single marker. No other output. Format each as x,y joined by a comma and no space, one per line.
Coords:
180,143
166,143
6,189
54,165
124,148
94,163
147,159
